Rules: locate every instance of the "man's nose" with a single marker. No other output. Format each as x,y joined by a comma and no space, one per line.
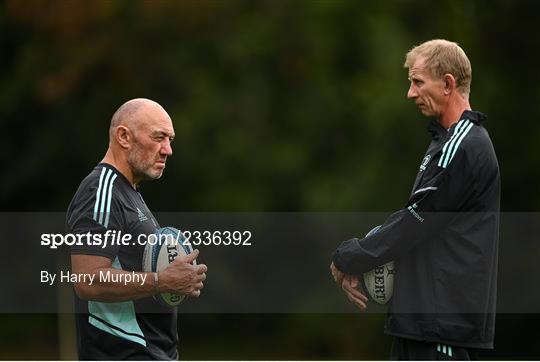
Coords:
166,148
411,93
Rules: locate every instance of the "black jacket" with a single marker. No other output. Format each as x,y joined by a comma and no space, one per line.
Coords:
444,242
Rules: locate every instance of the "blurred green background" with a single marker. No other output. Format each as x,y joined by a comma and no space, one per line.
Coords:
277,106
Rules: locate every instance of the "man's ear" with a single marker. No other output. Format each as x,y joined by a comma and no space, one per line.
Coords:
123,136
449,83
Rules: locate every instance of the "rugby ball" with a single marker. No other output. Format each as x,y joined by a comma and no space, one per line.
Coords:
161,249
379,282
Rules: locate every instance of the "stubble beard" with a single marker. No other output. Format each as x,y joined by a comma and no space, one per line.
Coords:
141,168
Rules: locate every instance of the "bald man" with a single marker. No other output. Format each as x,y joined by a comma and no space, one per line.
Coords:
117,319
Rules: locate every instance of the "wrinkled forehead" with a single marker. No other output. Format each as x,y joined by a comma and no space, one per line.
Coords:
154,119
419,69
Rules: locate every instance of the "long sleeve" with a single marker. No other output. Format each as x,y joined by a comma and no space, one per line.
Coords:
429,209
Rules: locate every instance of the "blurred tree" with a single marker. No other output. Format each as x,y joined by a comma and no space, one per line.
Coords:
278,106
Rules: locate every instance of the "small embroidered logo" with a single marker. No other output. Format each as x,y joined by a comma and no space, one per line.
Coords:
425,161
142,216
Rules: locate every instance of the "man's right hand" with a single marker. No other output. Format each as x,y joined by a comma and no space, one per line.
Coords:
349,286
182,277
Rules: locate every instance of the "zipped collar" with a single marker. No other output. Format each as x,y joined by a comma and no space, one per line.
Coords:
437,131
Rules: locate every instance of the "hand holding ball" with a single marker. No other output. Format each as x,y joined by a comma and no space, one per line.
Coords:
180,277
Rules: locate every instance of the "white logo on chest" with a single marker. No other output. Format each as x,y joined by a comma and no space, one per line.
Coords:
142,216
425,161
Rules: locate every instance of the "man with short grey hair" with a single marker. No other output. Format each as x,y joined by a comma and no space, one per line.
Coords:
445,240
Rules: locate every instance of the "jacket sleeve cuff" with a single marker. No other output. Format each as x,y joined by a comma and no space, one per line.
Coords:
338,258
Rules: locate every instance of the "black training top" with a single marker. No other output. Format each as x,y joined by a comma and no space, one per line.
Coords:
444,242
105,201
